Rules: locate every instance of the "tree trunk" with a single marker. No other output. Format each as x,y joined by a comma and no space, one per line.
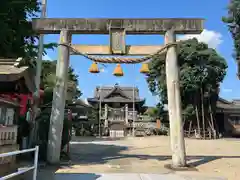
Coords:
190,129
203,114
184,120
210,129
198,120
211,115
197,114
214,127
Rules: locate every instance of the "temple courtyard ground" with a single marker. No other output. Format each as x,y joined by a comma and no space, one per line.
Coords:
211,158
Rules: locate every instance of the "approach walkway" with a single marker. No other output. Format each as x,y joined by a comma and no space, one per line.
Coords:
143,159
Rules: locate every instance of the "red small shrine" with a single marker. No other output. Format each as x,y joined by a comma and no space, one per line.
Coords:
16,88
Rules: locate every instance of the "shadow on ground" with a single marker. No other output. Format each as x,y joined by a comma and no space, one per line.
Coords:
94,153
112,153
95,139
84,176
49,173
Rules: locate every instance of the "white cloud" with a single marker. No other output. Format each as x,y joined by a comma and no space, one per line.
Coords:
212,38
46,57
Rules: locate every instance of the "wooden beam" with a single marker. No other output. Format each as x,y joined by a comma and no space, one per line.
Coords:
131,50
132,26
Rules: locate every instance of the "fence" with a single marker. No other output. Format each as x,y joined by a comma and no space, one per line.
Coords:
207,134
116,133
8,135
23,170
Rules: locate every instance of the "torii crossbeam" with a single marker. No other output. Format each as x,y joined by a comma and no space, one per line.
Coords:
117,29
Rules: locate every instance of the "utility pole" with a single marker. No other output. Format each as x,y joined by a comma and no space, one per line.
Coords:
38,75
100,110
40,54
174,103
133,124
59,100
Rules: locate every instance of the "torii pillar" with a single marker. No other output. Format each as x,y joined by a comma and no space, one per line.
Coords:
167,27
174,103
59,99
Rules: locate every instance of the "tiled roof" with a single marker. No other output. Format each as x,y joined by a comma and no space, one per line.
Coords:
9,100
125,94
107,90
10,66
224,104
81,103
9,72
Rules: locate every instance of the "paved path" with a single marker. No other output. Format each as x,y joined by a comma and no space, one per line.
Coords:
144,159
124,176
50,174
217,158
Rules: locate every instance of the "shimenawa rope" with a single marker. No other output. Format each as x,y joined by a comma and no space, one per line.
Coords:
120,59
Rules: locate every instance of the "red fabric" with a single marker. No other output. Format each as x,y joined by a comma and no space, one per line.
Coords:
9,97
23,100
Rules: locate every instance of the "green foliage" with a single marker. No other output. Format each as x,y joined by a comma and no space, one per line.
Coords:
233,22
16,34
16,31
48,80
154,112
200,68
93,115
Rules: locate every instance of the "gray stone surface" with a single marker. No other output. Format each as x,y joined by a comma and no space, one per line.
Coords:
140,159
123,176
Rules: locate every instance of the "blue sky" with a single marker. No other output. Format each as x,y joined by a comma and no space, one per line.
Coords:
216,34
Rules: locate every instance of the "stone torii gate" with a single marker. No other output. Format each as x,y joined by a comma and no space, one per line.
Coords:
117,28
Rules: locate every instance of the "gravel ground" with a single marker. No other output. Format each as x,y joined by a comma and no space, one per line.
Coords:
219,158
149,155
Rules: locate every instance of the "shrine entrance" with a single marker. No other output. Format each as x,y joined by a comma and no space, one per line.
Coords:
118,29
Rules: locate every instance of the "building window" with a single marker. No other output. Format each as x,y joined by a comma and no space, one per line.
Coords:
2,116
235,120
9,116
6,116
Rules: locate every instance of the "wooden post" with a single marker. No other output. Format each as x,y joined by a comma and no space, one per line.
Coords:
105,110
58,104
126,114
174,103
105,116
190,129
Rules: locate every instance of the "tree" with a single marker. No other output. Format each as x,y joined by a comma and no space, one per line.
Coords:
155,112
16,34
233,22
201,71
152,112
48,80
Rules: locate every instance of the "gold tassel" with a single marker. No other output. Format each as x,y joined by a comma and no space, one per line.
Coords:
144,69
118,71
94,68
